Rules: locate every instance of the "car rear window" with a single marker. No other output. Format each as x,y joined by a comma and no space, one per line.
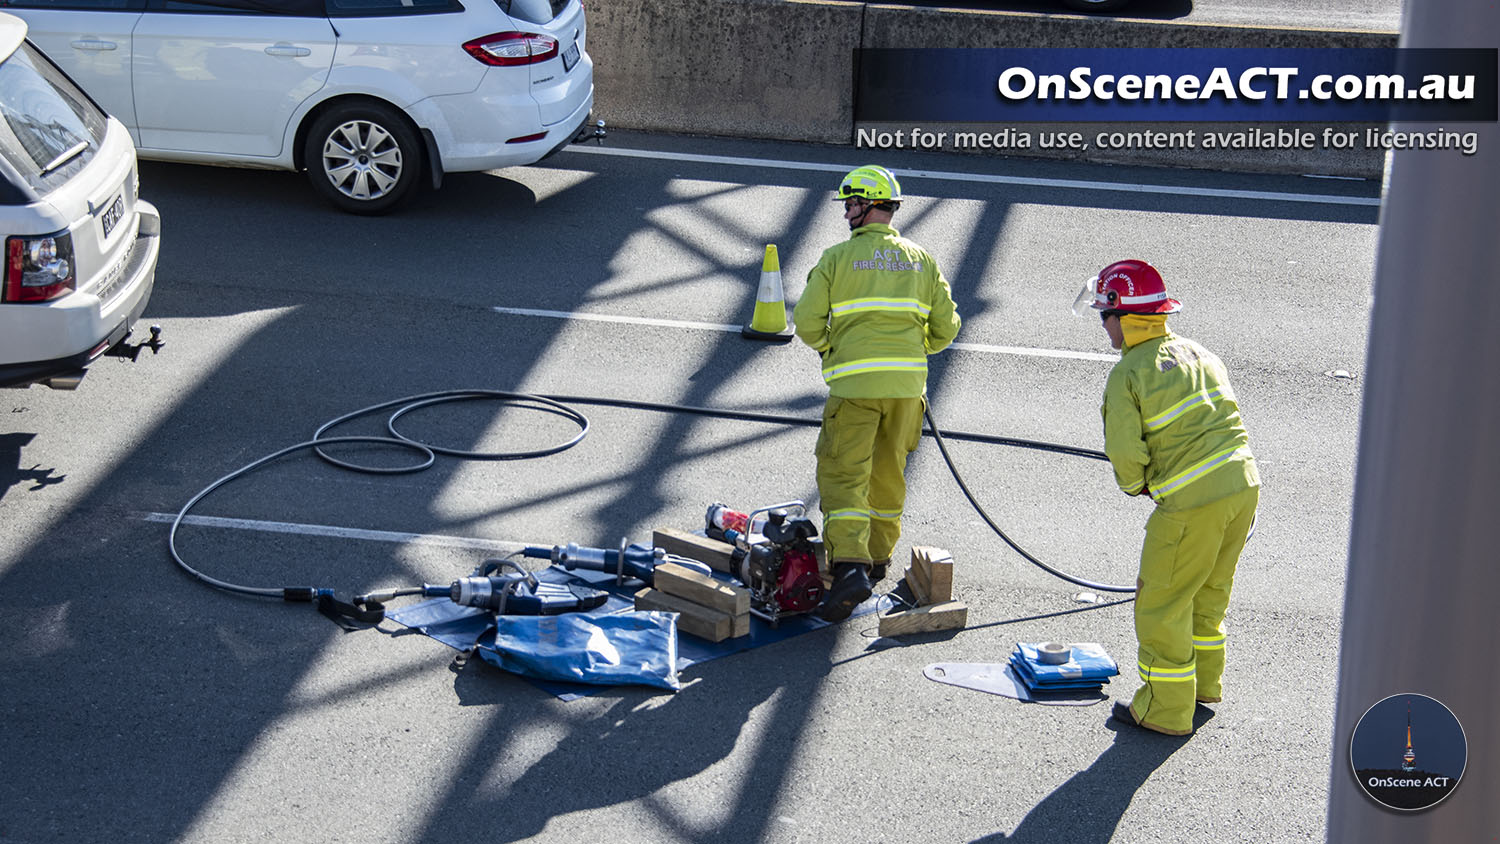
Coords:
288,8
386,8
533,11
117,5
49,129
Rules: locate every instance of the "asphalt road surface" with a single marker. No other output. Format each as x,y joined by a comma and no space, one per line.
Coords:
141,705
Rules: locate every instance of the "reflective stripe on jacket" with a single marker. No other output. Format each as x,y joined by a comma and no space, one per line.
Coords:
1171,423
876,306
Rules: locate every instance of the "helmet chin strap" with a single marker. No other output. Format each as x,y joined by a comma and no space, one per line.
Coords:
860,220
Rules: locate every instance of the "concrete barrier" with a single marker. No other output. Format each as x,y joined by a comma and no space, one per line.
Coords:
782,70
909,26
776,69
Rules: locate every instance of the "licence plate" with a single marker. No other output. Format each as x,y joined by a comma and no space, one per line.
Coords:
570,57
112,215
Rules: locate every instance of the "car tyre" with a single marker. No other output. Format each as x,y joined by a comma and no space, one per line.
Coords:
1096,5
363,157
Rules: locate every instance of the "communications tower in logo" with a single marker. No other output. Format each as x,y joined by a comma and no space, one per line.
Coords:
1409,759
1392,778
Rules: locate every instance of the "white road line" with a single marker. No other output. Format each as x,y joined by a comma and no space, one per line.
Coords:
735,329
1173,190
1035,353
660,323
502,546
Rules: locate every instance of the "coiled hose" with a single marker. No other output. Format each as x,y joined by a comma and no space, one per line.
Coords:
560,405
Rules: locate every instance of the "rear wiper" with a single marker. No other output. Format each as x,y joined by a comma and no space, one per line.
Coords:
67,155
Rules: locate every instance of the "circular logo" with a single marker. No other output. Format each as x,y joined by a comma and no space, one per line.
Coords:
1408,752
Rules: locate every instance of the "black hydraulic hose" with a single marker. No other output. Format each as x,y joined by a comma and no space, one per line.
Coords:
777,419
931,430
560,405
410,403
1089,584
430,452
288,593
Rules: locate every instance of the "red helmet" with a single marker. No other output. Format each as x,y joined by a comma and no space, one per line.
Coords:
1131,286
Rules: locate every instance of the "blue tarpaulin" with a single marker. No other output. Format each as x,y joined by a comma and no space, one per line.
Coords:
602,650
462,627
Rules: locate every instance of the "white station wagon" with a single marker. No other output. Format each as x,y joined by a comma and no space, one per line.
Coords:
80,248
371,97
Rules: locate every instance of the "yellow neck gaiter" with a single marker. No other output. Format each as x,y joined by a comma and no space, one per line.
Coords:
1138,328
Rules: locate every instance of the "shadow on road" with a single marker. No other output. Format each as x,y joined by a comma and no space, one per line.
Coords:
1088,807
11,473
641,744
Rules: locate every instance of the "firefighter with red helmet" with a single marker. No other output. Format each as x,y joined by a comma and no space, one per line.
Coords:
1172,430
875,307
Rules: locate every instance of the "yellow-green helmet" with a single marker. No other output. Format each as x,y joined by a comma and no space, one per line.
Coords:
871,182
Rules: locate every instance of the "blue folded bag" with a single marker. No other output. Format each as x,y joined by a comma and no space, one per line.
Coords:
620,649
1088,661
1031,681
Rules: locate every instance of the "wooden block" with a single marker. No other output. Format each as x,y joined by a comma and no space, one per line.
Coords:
919,558
952,615
739,626
917,584
692,619
822,556
719,556
937,566
701,589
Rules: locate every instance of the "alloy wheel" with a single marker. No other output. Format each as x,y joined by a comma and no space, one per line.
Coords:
362,160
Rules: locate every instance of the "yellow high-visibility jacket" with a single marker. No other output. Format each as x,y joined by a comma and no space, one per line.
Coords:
1171,423
876,306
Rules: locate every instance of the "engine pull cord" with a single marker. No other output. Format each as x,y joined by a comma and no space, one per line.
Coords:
373,609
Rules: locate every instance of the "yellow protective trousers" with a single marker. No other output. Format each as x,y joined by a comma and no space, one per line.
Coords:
861,452
1187,572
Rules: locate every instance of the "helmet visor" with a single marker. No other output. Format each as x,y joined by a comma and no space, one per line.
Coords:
1087,300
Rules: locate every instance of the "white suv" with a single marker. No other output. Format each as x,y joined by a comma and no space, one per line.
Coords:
371,97
80,248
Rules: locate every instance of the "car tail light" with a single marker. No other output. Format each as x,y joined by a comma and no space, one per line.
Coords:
526,139
39,268
508,49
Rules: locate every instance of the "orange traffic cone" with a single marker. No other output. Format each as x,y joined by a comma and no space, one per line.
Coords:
768,322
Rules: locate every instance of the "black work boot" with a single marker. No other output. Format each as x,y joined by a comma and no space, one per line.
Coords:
851,586
878,570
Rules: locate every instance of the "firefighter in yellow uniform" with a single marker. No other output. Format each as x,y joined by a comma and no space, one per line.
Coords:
1172,431
875,307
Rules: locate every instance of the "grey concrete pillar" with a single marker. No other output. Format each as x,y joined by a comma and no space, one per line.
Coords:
1420,609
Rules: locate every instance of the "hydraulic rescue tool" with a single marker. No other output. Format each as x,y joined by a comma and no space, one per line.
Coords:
630,560
515,593
774,556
